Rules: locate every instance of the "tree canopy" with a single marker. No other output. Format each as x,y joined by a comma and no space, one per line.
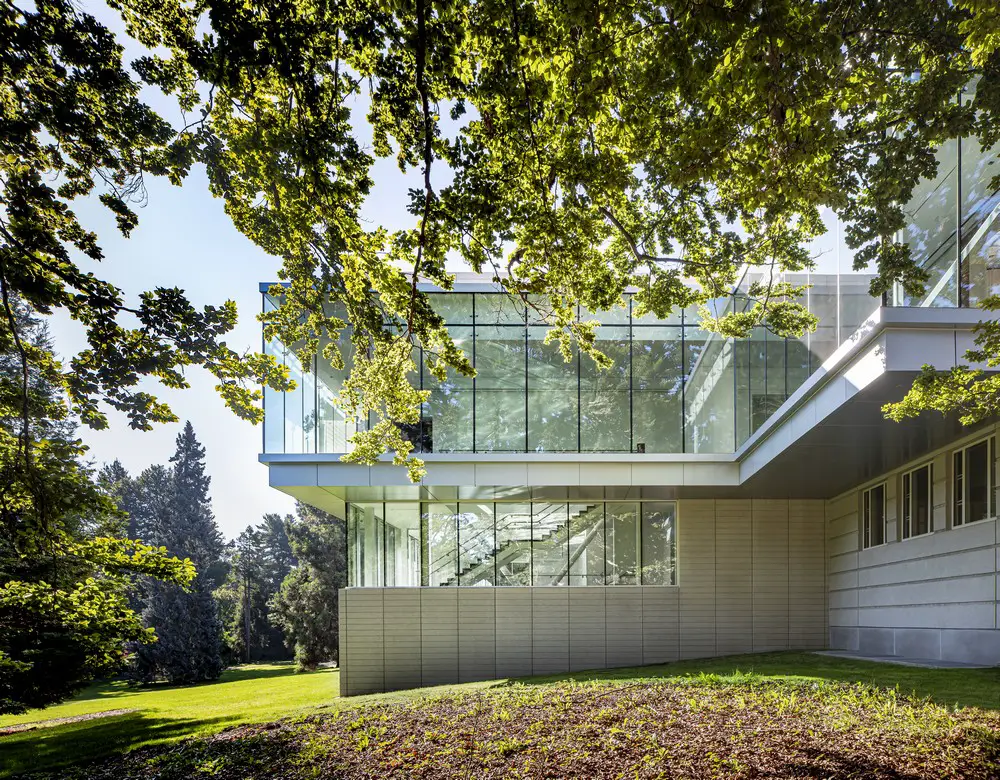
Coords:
572,149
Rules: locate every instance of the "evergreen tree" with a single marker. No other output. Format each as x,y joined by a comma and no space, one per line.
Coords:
64,613
261,558
177,511
119,485
306,604
154,495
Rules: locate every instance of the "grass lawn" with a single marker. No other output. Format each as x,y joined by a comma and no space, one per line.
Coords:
771,687
250,694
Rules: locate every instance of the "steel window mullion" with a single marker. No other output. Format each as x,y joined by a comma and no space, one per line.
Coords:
604,514
475,328
631,386
684,378
579,403
526,387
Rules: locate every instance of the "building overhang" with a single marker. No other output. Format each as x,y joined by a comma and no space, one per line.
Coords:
827,437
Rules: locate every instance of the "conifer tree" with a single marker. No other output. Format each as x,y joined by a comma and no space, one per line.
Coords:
261,558
306,605
188,630
123,489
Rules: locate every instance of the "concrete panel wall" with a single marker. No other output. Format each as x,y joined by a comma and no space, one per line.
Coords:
932,596
750,578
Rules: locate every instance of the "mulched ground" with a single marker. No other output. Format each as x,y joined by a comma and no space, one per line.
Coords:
706,729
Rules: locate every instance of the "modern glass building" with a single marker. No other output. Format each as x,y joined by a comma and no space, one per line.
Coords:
704,496
674,387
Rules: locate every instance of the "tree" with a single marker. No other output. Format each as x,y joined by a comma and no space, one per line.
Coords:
306,604
64,612
189,634
119,485
261,558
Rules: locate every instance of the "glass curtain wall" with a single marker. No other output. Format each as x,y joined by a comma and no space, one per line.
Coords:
673,387
953,229
505,543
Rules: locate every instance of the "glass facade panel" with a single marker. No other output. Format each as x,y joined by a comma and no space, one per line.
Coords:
980,234
366,544
553,396
485,543
501,389
447,416
657,389
402,543
658,544
622,546
709,420
617,315
499,309
586,544
605,414
456,308
439,557
549,544
932,232
334,428
476,543
513,534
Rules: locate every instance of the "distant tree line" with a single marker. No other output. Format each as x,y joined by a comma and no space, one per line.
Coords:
268,595
102,572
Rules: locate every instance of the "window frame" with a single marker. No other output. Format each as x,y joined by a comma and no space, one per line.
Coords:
959,483
906,501
866,503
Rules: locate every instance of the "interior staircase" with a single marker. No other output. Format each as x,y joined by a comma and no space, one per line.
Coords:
483,558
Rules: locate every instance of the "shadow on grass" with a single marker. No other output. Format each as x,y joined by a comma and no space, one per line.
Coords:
75,743
111,689
962,687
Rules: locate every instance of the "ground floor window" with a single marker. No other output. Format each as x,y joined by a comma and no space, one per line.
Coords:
916,501
974,482
873,512
484,543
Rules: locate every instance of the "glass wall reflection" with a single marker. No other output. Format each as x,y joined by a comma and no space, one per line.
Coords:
673,387
478,544
953,228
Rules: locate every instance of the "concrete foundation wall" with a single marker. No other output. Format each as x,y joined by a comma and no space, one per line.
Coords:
932,596
751,578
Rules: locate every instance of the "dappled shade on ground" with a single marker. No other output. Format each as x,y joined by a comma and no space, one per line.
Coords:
738,727
159,713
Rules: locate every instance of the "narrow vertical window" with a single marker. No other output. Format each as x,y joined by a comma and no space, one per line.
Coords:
958,488
973,483
873,510
916,502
